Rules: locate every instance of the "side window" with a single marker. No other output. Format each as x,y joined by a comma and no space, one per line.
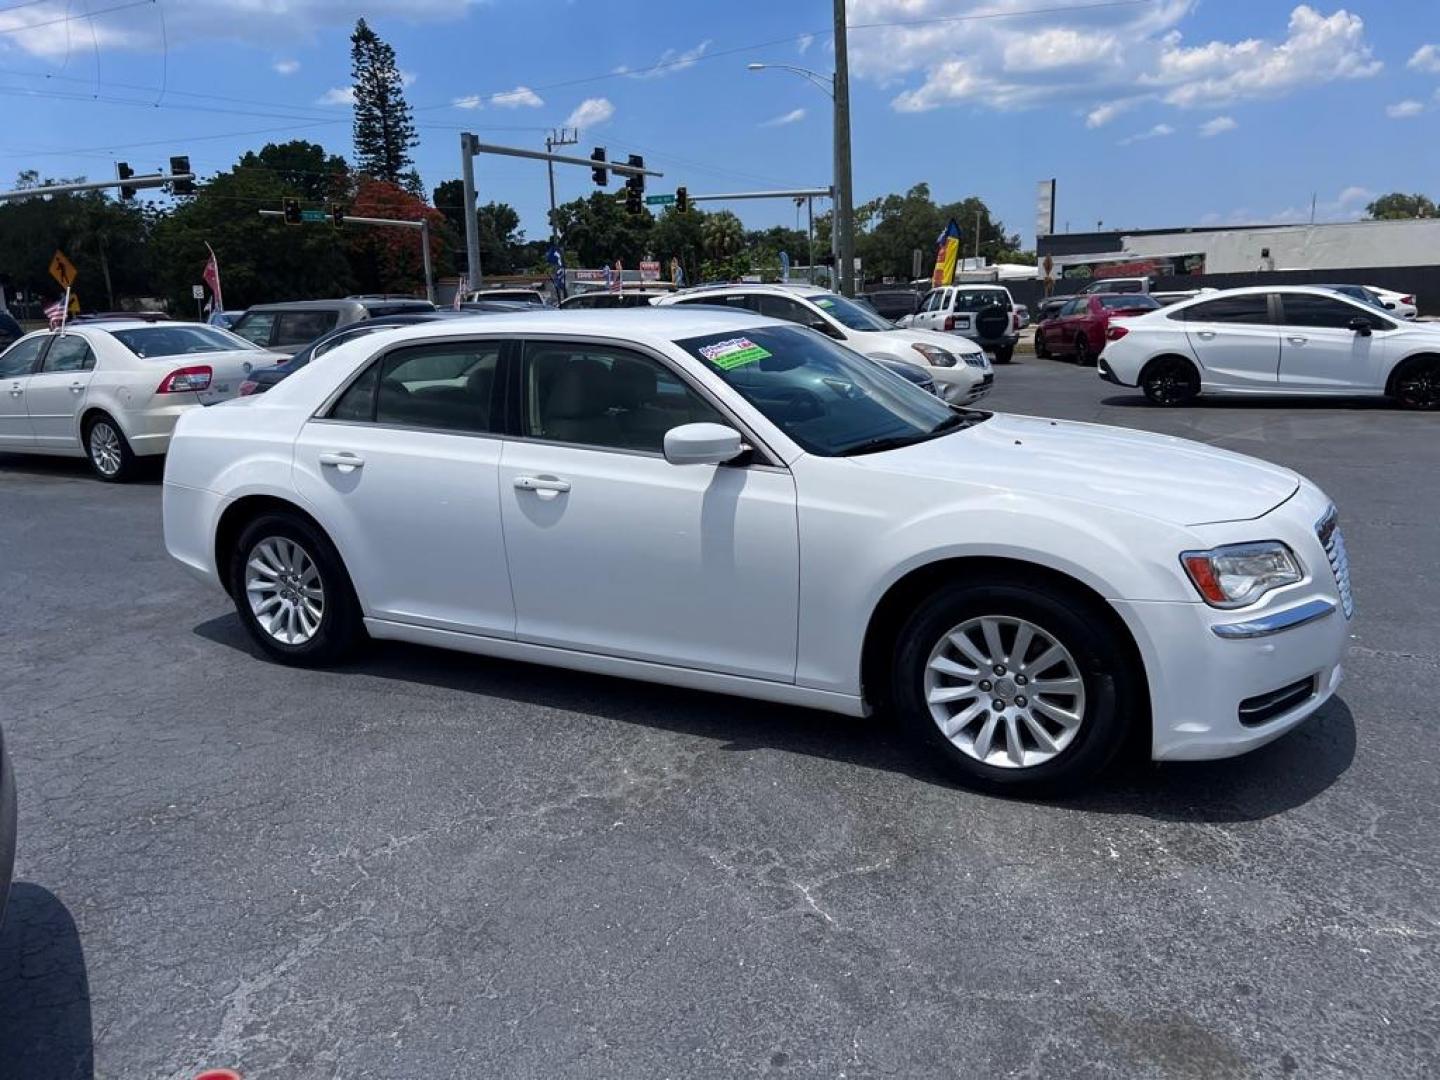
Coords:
20,360
1307,309
1251,308
448,385
932,300
1070,308
69,353
255,326
602,397
782,307
357,403
303,327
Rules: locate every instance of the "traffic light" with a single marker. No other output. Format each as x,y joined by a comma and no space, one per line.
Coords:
125,172
638,180
179,166
337,215
292,211
598,173
682,200
634,201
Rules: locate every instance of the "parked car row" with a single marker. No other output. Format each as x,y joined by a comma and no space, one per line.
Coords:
1025,596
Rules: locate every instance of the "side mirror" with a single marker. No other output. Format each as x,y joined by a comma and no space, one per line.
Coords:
1390,304
702,444
1360,325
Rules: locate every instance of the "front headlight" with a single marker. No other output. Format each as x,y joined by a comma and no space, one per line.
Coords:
1239,574
934,356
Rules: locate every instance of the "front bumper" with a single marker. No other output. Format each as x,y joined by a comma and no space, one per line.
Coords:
958,386
1203,664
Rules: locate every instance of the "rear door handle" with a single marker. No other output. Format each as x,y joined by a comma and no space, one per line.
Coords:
1205,335
76,387
551,484
343,460
16,391
1296,339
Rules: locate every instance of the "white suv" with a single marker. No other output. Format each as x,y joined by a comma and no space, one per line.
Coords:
983,313
961,371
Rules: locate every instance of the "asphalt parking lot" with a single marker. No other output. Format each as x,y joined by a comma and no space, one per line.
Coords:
432,865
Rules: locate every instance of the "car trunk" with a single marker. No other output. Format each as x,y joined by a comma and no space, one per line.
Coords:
227,371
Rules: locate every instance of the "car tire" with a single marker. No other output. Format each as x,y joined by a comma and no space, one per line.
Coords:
1170,380
107,450
1083,356
1417,383
1004,354
1063,735
1042,351
292,592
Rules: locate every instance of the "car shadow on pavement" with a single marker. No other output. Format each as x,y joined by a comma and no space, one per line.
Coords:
149,470
1138,400
45,1031
1269,781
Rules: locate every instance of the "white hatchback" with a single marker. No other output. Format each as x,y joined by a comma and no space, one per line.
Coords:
111,391
1276,340
729,503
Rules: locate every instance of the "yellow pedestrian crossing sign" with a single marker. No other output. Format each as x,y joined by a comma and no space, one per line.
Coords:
62,270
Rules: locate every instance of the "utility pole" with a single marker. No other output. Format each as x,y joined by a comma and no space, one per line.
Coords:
977,238
422,227
472,230
564,137
844,205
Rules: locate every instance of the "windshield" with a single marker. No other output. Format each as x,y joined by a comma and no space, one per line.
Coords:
848,313
179,340
829,400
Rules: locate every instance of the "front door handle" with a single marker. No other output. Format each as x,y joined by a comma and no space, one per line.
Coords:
343,460
16,391
547,486
76,387
1205,335
1296,339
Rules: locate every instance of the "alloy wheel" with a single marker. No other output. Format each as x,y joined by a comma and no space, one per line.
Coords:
1170,383
1419,388
105,448
284,589
1005,691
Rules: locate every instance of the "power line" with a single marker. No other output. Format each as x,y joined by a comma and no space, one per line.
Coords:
68,18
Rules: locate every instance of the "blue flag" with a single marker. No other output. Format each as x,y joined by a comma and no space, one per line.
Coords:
557,264
784,266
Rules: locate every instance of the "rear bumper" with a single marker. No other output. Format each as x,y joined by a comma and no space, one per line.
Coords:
190,516
148,430
1103,370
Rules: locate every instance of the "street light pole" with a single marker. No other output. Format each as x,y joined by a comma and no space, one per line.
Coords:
844,206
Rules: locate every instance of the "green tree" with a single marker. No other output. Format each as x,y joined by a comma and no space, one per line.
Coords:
503,249
599,230
723,235
679,236
305,169
1398,206
384,126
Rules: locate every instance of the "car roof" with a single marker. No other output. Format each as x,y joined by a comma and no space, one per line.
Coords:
109,326
786,287
640,324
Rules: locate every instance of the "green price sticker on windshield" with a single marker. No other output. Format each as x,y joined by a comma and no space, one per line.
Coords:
737,352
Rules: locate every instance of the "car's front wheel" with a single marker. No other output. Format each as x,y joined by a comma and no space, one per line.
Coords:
1417,384
292,592
1042,351
1013,687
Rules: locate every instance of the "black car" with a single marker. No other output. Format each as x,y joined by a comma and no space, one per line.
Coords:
894,304
263,379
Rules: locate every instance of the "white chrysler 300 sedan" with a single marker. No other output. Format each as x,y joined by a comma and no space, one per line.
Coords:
726,502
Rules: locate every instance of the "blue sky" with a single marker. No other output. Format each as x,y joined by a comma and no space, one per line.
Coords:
1148,112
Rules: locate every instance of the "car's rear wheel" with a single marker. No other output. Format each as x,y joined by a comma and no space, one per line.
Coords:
1170,380
292,592
1417,383
1014,687
1004,354
1083,356
1042,351
107,450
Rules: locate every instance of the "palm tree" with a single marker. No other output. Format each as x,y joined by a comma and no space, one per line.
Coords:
722,234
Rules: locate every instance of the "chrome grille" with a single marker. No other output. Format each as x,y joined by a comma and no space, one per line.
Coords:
1328,529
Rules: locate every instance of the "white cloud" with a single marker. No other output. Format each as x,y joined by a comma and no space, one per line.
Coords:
803,43
252,21
794,116
337,95
1353,196
286,67
1426,59
1217,126
408,78
1404,110
670,62
590,113
1102,114
1159,131
469,101
1317,49
1060,47
520,97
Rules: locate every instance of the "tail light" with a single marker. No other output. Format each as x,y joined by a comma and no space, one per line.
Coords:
1115,333
1407,299
186,379
949,322
248,387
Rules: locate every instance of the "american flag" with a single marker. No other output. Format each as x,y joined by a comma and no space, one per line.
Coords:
211,277
55,313
461,288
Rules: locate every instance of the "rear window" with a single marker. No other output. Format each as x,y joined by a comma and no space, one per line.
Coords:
399,307
979,299
179,340
1129,303
303,327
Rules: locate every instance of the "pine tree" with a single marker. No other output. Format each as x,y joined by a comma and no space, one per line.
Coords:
384,127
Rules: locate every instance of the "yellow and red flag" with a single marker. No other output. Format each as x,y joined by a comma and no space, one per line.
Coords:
947,255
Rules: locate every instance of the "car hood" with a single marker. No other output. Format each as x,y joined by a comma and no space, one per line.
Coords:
1173,480
905,336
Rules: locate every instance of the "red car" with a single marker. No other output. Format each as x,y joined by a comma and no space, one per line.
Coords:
1079,328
